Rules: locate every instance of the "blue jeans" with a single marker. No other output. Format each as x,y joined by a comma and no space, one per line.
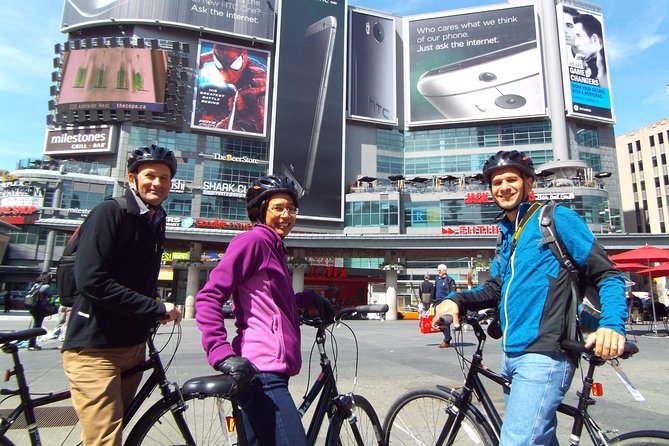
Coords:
269,412
539,382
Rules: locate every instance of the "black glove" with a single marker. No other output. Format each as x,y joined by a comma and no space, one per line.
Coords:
324,306
238,367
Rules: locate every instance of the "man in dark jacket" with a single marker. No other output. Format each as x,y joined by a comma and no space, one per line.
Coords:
426,294
116,271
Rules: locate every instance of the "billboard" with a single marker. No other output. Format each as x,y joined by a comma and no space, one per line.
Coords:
372,87
308,118
585,72
252,19
113,79
78,140
477,66
231,89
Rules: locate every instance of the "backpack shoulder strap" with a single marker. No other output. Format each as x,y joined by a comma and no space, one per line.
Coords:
551,237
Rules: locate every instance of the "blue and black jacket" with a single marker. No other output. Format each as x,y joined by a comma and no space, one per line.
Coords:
532,288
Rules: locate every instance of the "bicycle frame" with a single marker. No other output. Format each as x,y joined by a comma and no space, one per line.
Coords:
158,378
27,404
473,385
326,386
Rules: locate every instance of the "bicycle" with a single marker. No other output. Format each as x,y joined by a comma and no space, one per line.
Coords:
447,416
188,414
352,419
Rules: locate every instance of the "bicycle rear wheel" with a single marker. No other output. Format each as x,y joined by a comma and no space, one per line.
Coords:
209,420
641,438
419,416
364,428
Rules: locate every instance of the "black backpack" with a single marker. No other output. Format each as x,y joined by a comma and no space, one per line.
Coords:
31,298
67,286
585,305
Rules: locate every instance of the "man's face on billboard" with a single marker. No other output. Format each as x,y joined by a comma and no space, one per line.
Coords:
568,28
584,44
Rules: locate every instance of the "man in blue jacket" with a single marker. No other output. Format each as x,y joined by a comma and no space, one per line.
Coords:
533,295
443,286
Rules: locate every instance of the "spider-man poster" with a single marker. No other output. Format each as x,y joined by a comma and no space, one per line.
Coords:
231,89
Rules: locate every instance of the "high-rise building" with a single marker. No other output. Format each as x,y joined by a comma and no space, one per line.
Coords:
642,164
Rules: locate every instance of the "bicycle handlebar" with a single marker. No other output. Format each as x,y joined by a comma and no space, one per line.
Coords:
374,308
579,347
317,321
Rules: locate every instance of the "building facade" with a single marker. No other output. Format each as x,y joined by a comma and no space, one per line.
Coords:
349,102
642,163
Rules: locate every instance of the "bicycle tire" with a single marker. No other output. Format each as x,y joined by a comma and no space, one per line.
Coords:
208,418
4,441
366,423
418,417
641,438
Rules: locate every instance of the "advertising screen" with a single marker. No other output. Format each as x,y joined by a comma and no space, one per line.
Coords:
252,19
483,65
585,71
307,143
231,89
372,68
113,79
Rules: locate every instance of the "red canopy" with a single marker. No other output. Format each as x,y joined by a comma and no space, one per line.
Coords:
656,271
625,267
644,254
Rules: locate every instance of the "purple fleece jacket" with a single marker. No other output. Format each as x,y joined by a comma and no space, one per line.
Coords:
255,273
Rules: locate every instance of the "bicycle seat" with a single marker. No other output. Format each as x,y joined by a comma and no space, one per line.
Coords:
219,385
579,347
21,335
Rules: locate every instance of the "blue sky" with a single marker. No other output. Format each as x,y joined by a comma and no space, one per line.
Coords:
637,45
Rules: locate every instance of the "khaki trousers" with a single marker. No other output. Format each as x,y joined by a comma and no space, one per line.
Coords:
98,394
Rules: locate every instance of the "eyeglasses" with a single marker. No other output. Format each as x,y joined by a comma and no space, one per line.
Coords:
281,211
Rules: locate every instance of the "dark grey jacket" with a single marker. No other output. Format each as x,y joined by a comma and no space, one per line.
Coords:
116,272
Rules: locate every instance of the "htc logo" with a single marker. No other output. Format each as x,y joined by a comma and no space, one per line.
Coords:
378,109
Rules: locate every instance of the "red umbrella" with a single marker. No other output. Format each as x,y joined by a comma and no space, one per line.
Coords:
656,271
627,267
647,254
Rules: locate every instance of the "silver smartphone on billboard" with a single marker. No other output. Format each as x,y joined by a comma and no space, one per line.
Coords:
372,67
502,83
312,81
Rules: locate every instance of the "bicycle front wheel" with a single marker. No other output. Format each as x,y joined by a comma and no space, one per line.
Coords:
362,428
641,438
419,416
208,420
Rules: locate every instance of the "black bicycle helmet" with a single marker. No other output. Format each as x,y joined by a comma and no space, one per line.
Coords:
152,154
508,158
262,189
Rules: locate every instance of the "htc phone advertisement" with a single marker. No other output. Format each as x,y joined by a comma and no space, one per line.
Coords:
372,76
484,65
239,18
231,89
307,144
585,71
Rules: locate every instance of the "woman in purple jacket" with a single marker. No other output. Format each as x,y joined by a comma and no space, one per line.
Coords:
265,353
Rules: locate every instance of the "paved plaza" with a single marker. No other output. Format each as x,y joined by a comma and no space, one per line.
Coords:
393,357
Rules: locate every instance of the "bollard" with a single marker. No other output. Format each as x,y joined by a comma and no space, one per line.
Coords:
190,307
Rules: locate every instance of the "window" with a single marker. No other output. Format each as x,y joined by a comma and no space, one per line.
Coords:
382,213
587,137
